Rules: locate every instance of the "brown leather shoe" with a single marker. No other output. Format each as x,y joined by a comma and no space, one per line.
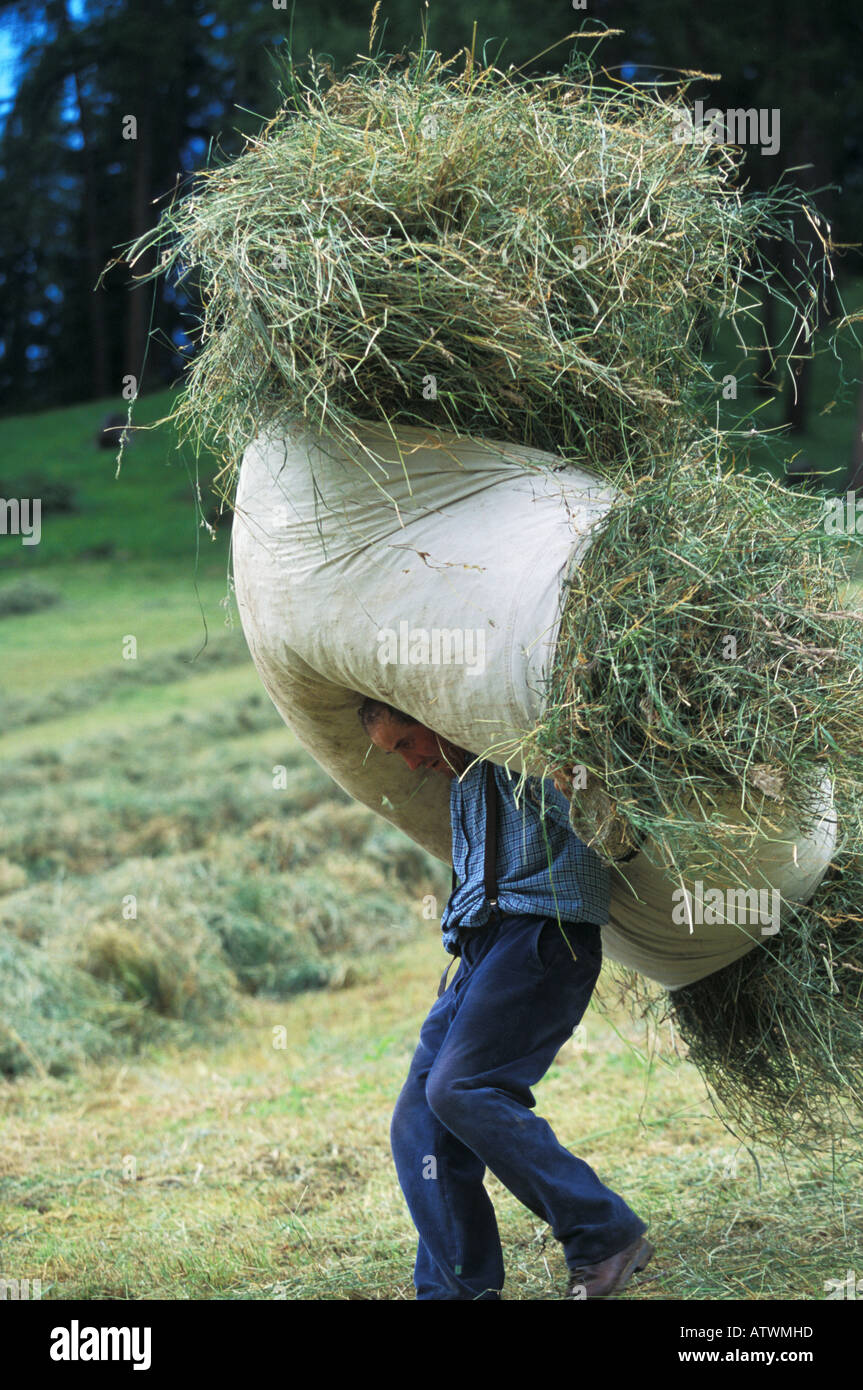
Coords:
608,1277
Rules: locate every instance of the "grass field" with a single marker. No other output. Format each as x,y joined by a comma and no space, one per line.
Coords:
197,1096
243,1170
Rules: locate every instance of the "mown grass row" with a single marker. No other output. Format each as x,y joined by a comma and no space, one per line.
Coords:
133,900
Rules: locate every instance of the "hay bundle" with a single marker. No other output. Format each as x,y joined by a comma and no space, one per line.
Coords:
529,260
705,647
535,261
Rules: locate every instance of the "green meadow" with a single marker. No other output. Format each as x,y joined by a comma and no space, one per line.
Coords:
214,966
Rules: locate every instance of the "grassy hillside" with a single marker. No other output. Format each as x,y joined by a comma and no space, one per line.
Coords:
165,912
151,875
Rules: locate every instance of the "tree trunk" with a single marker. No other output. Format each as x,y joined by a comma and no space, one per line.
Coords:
140,296
99,383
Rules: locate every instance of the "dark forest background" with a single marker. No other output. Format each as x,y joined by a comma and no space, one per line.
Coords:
197,74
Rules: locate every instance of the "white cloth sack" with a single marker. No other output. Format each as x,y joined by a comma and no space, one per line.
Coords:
432,580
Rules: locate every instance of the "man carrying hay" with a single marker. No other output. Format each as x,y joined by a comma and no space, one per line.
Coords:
525,919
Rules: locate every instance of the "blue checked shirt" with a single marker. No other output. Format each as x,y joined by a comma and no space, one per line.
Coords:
543,868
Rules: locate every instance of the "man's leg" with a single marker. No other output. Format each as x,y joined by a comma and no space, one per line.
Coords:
521,999
458,1255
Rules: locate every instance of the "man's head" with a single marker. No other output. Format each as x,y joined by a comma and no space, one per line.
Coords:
395,732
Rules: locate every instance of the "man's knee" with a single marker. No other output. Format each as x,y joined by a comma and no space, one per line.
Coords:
406,1112
449,1099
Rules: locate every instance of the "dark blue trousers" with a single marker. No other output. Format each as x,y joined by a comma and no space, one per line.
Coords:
522,986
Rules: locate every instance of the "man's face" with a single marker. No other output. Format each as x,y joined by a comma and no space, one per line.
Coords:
418,745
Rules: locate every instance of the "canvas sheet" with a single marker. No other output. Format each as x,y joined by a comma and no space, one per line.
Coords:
434,580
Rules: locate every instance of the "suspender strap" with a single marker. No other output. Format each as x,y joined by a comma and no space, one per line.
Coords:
490,871
442,985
